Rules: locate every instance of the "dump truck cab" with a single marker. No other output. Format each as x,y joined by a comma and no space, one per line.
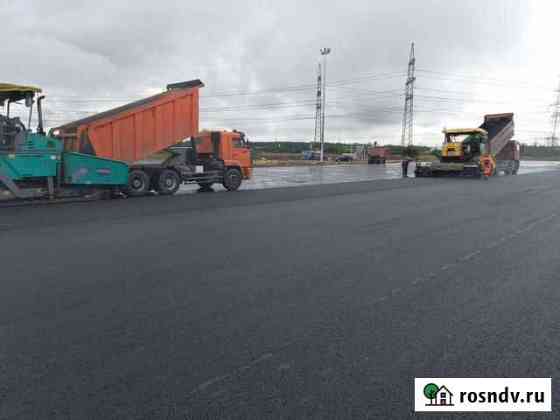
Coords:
208,158
232,147
463,144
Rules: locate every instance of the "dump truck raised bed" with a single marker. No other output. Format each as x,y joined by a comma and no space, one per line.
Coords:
466,151
136,130
148,145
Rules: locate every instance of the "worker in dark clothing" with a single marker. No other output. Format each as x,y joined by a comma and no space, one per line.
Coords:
405,162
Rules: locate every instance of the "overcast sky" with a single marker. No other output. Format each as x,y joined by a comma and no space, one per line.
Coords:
259,59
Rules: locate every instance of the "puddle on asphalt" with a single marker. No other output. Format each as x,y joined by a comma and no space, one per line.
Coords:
294,176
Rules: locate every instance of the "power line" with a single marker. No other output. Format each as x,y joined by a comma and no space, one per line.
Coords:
228,93
346,93
470,95
482,80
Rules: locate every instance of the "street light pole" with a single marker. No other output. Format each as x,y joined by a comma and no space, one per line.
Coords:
324,53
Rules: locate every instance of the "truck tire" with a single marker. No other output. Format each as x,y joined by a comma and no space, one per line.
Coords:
138,183
232,179
168,182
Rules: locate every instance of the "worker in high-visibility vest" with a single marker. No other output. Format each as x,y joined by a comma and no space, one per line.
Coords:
487,165
404,165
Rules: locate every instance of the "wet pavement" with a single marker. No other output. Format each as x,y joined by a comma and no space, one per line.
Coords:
294,176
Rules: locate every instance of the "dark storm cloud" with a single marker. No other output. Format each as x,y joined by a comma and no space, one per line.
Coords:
122,49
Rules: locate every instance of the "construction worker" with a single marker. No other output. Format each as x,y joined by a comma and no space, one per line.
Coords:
487,165
404,163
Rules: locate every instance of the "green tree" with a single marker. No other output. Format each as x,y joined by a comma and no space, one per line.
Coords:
430,391
411,151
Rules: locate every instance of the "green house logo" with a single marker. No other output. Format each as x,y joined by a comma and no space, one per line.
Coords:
438,396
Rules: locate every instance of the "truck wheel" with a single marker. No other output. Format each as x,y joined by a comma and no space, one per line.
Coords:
232,179
168,182
138,183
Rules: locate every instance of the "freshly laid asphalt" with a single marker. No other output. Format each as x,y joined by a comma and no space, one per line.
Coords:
315,302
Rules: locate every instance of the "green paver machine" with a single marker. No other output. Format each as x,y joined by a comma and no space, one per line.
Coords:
464,150
34,165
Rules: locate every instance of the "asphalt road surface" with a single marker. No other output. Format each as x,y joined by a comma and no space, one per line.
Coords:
316,302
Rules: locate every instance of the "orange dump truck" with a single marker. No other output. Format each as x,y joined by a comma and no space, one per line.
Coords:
158,137
378,154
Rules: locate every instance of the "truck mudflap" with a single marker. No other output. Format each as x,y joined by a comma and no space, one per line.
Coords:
247,173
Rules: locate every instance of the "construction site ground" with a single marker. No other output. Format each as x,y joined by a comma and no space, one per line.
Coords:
333,173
